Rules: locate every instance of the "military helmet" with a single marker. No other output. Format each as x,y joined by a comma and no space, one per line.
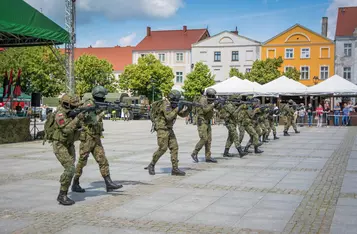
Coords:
291,102
235,97
68,101
211,92
174,95
249,98
99,92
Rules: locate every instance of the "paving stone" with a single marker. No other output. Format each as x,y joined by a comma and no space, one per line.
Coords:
8,226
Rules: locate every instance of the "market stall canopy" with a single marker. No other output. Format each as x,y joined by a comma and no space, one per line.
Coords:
23,97
23,25
335,86
178,88
234,85
281,86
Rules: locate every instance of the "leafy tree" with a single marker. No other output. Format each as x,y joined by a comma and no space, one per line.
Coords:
292,73
196,81
148,77
235,72
264,71
41,70
91,71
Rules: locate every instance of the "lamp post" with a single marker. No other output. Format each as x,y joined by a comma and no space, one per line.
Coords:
153,89
316,80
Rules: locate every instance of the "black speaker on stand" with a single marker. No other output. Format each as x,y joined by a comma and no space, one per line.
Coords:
35,102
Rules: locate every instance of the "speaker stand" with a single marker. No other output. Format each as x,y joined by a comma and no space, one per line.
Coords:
34,128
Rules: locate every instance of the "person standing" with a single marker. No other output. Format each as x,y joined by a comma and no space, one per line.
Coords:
346,113
302,113
336,113
274,111
285,115
309,111
204,116
319,115
91,143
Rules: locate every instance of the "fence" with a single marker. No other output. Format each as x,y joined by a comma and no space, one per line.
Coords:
336,120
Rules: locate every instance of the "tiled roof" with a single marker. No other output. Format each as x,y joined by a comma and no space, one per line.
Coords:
346,21
118,56
171,39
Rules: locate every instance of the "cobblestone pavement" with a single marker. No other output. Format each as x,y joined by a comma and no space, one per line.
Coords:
305,183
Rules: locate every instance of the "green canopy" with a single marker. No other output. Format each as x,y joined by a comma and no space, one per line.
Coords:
22,97
22,25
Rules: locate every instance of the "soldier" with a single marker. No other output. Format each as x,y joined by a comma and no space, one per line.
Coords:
164,115
293,117
64,135
266,122
270,119
114,115
230,111
261,123
91,143
126,114
285,113
204,115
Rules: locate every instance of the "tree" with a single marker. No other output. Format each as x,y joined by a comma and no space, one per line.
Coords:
292,73
41,70
91,71
196,81
264,71
236,72
149,77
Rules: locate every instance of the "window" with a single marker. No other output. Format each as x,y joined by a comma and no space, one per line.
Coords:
348,49
324,52
162,57
324,72
271,53
217,56
247,70
179,57
235,55
249,55
304,73
287,68
289,53
179,77
347,73
305,53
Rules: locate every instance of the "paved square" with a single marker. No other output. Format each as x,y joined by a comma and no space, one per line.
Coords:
305,183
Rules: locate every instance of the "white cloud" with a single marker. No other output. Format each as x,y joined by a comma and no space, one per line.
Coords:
100,43
127,40
331,13
111,9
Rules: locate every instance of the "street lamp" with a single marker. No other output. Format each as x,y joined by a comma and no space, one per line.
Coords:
315,79
153,89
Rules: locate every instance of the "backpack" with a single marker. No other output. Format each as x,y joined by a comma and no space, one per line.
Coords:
155,113
49,127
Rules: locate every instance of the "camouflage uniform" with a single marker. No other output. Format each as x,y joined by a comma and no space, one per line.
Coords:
126,114
266,123
261,124
65,131
292,120
270,119
241,127
285,115
166,138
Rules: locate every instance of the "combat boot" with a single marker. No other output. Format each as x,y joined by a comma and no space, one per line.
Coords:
275,137
110,185
226,153
194,157
63,199
246,148
241,152
265,139
211,160
76,187
177,172
296,131
151,168
257,150
286,134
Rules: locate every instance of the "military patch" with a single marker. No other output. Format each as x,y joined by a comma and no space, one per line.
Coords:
60,114
61,121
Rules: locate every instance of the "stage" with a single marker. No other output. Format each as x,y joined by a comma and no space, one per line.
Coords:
16,129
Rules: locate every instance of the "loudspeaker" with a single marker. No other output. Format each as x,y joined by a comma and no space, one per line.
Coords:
36,99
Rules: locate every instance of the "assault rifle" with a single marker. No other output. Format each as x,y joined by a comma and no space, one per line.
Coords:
189,104
73,113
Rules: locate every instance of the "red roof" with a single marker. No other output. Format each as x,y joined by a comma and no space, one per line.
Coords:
118,56
346,21
171,39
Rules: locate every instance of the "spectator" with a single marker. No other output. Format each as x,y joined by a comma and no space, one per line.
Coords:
319,115
276,117
309,111
346,113
326,111
302,113
336,113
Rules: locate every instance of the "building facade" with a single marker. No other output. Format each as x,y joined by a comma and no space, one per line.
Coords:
346,43
224,51
172,48
309,52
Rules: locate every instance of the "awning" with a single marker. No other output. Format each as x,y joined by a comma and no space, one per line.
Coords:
234,85
23,25
23,97
334,86
281,86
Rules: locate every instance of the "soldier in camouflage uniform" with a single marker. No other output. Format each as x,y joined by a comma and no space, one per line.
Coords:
126,114
266,122
204,115
65,130
270,119
239,123
91,143
230,110
292,117
285,113
166,138
261,124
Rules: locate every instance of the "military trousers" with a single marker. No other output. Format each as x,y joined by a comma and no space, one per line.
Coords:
66,155
272,127
166,139
258,129
267,127
90,144
254,137
241,129
293,123
232,136
263,128
205,134
287,122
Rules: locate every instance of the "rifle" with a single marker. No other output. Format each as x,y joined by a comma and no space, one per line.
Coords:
73,113
188,103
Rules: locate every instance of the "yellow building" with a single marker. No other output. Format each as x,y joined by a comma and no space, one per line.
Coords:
309,52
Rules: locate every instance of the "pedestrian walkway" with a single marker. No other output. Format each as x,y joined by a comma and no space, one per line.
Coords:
305,183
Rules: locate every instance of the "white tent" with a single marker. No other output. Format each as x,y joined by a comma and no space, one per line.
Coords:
335,85
281,86
178,88
234,85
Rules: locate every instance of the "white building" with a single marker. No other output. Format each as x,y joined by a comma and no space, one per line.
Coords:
226,50
346,44
172,47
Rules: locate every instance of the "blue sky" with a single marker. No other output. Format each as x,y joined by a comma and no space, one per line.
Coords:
123,22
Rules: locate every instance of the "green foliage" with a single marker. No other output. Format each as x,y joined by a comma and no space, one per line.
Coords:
292,73
147,76
41,71
91,71
265,71
196,81
235,72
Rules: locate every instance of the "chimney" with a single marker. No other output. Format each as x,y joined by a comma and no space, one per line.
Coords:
355,32
324,26
236,31
148,31
184,28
